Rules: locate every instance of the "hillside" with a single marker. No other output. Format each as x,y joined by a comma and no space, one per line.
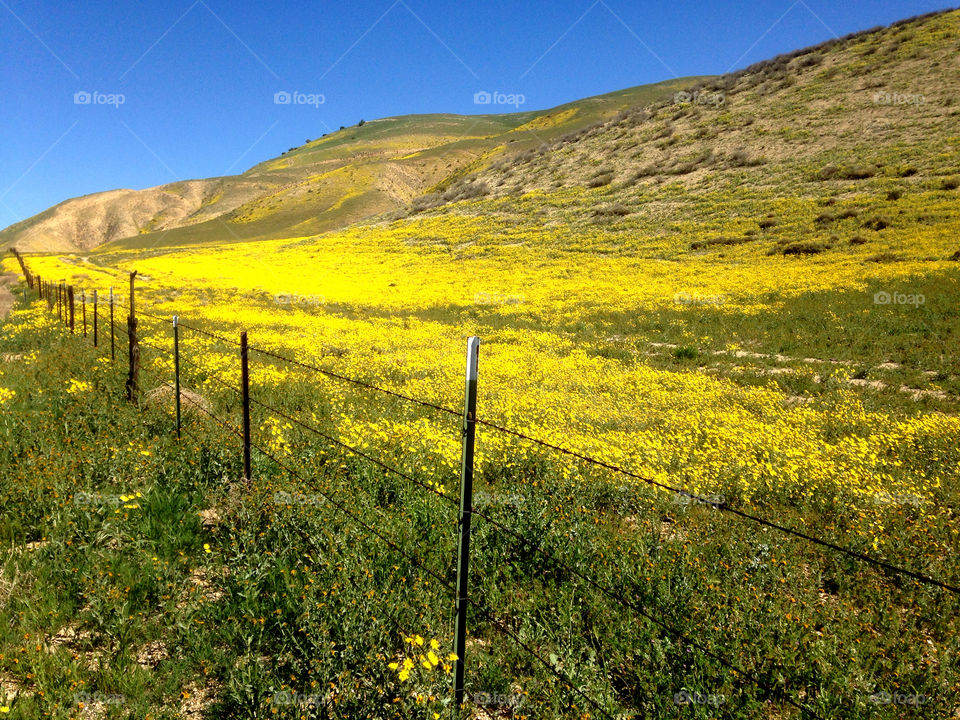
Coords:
716,471
327,183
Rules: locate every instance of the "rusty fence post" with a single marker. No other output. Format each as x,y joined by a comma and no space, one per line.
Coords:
133,354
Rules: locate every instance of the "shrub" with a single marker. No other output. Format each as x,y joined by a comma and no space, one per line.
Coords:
601,178
617,210
885,257
956,256
858,240
951,183
719,241
767,223
877,222
805,247
895,194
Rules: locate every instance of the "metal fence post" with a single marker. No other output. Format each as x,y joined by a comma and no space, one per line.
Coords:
245,385
176,366
466,512
95,343
113,352
133,354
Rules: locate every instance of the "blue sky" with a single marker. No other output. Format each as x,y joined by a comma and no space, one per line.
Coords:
198,78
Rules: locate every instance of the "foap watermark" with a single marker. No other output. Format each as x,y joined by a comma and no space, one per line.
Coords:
499,700
685,298
896,298
298,699
95,97
881,697
284,97
698,499
485,298
83,499
888,98
86,699
507,499
306,300
285,498
698,97
886,498
686,697
482,97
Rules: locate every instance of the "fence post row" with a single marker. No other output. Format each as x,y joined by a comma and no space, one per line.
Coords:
113,353
176,366
245,386
133,375
466,512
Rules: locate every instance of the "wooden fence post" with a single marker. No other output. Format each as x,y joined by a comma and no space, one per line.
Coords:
95,318
245,386
466,512
70,309
83,304
133,374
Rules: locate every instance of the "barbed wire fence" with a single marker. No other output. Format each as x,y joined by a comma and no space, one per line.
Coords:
62,299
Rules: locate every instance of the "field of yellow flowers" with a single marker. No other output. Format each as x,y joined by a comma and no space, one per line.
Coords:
783,387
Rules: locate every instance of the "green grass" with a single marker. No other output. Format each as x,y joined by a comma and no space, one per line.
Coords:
128,608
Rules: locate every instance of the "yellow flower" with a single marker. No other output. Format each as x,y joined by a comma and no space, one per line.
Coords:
206,548
404,674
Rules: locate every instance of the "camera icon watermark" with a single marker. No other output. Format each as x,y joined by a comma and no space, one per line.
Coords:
682,498
299,700
284,97
284,498
888,98
881,697
486,298
698,97
482,97
306,300
895,298
685,697
86,97
685,298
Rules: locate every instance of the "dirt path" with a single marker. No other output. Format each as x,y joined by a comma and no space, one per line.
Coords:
6,297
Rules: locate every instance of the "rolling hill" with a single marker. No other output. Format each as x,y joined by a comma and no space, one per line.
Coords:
330,182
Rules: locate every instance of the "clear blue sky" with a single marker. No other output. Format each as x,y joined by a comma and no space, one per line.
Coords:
198,77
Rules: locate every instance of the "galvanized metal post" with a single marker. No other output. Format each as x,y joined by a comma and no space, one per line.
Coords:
113,351
176,366
466,512
133,348
245,386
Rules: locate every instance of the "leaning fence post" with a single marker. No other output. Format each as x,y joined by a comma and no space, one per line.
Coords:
95,318
70,310
176,366
245,386
133,374
466,511
113,352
